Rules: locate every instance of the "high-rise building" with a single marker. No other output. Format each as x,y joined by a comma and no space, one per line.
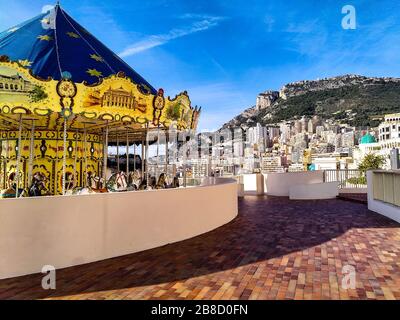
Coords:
258,136
272,163
390,128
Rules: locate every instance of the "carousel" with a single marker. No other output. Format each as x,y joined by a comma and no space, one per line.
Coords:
64,99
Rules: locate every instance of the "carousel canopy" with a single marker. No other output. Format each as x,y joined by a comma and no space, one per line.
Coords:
55,45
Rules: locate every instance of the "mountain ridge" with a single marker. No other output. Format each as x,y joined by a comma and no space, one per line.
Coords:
353,99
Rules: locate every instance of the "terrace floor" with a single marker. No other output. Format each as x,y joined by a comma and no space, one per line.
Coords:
274,249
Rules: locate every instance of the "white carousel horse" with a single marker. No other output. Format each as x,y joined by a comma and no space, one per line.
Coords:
94,185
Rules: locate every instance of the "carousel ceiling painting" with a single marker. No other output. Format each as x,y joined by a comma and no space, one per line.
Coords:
61,92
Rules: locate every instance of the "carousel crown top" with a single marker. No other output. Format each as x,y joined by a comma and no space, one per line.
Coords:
55,45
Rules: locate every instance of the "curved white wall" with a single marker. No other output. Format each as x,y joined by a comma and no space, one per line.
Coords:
314,191
72,230
278,184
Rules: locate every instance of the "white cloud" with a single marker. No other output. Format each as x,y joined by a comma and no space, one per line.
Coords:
47,8
205,23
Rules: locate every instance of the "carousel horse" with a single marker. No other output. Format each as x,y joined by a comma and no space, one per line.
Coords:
168,180
175,183
94,184
161,183
12,192
38,186
118,182
134,180
152,183
143,184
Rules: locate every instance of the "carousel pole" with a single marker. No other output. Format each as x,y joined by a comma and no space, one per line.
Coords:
75,157
185,165
31,149
117,151
147,155
127,151
166,152
105,154
1,162
142,162
18,155
134,157
158,151
7,160
64,165
84,154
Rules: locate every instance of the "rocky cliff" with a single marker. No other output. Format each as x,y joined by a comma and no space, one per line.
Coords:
353,99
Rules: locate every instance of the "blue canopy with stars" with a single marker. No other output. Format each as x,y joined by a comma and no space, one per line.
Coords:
55,45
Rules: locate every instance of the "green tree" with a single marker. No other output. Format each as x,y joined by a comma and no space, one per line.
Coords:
371,162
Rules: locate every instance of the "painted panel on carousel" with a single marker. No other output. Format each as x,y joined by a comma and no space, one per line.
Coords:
115,98
20,92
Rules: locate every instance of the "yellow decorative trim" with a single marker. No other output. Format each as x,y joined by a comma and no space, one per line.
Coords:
115,98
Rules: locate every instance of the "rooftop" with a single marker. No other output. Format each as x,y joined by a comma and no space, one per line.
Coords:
274,249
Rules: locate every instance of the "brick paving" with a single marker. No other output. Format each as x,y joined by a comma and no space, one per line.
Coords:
274,249
357,197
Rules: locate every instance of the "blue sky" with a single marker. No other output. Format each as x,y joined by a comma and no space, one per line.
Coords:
224,52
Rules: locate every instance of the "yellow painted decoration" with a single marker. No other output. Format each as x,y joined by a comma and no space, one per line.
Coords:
96,57
94,72
45,38
73,35
115,98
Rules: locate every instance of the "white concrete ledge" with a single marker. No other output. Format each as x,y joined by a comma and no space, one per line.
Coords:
386,209
278,184
315,191
72,230
253,184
